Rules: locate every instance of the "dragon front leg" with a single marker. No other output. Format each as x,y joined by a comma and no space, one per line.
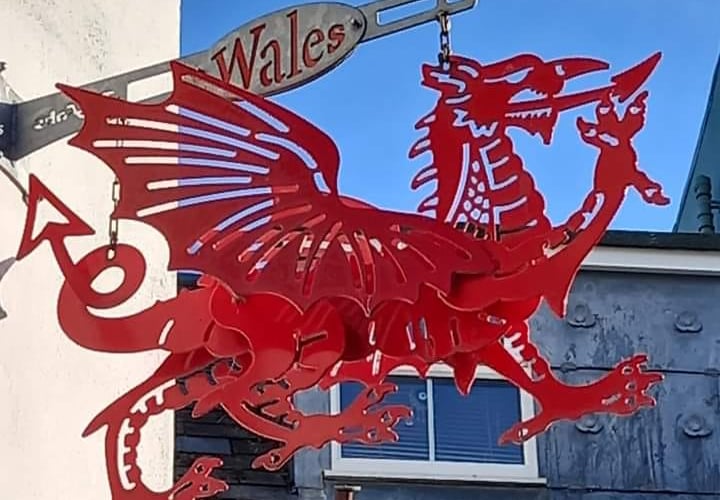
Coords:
620,392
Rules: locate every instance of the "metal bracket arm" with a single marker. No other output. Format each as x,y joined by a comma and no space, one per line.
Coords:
7,126
373,10
42,121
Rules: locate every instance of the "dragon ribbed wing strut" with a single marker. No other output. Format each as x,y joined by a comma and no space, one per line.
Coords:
246,191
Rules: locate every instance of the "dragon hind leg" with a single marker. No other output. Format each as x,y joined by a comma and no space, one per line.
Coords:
275,417
157,394
265,407
620,392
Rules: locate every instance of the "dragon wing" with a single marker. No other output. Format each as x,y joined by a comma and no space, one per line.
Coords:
246,191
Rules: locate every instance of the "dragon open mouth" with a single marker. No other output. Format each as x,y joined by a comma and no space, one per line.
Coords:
533,113
527,91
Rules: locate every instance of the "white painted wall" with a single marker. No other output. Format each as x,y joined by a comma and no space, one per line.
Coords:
49,388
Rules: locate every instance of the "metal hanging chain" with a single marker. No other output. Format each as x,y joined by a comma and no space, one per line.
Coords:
113,222
445,48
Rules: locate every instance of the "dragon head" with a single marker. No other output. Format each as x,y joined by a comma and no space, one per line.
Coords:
523,91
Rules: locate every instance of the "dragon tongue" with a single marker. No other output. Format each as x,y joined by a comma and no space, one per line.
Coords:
623,85
627,82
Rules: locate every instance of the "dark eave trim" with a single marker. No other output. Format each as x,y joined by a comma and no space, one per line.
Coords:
662,241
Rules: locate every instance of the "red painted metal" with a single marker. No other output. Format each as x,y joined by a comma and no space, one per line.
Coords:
303,287
256,188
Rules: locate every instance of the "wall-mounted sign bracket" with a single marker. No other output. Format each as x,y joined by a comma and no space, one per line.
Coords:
314,37
8,129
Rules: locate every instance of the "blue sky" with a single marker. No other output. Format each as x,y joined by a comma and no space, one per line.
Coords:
370,103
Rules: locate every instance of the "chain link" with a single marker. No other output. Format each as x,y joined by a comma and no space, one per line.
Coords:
113,222
445,49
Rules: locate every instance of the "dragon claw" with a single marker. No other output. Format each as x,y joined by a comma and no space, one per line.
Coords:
374,425
272,461
377,426
635,381
655,196
588,130
621,392
519,433
376,394
198,481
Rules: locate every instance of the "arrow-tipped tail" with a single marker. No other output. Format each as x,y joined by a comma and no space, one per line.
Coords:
53,232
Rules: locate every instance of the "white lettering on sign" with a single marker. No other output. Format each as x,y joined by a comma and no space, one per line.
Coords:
55,117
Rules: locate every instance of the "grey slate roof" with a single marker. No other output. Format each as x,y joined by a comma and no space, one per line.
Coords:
706,162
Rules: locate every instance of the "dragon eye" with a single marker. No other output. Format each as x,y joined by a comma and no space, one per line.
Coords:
635,110
470,71
518,76
514,77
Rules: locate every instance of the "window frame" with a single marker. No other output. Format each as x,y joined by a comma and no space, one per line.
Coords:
439,470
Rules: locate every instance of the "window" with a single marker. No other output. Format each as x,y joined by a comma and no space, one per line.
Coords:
449,437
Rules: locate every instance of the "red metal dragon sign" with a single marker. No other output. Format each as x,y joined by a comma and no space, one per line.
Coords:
302,286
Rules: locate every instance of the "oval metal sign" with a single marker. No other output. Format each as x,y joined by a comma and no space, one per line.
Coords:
287,48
